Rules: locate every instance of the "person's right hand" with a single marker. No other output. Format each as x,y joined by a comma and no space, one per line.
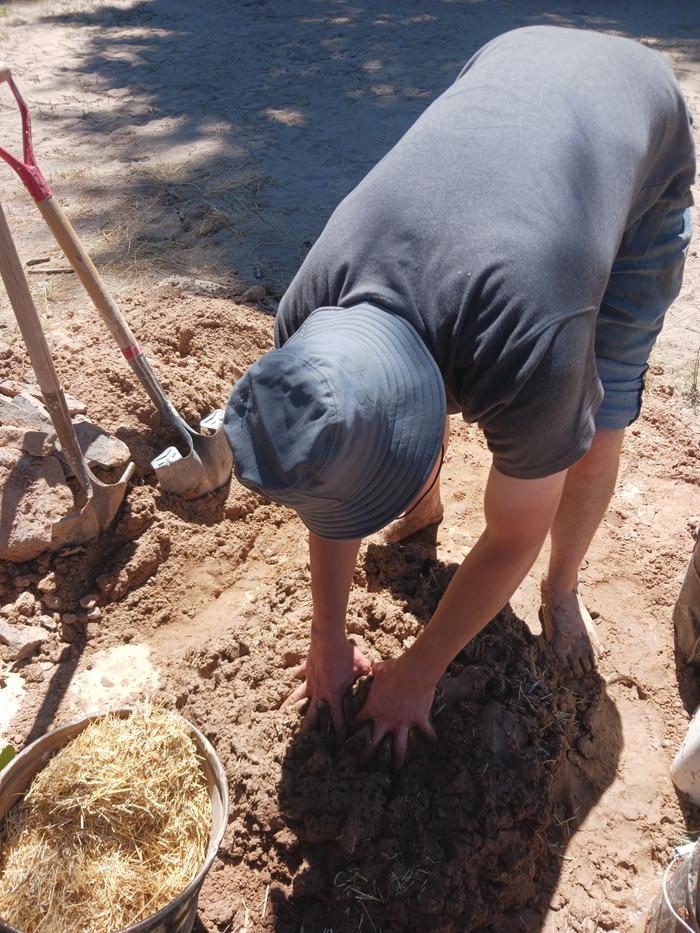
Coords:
331,667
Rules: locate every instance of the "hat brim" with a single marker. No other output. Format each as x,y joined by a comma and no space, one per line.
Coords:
418,408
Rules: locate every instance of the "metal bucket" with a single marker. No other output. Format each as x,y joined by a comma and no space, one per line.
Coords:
179,915
682,895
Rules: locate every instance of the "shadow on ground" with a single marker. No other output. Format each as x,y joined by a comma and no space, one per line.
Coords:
471,833
235,129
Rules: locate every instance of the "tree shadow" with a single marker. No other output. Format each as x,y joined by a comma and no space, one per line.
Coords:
57,688
471,833
244,125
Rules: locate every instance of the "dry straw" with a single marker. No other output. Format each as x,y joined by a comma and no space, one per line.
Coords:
112,829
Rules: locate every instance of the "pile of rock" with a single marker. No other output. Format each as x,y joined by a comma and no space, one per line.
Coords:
23,627
34,493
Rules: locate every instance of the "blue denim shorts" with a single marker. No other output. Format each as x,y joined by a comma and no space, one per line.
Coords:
644,280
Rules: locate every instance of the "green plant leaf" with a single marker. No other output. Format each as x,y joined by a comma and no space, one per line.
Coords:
6,756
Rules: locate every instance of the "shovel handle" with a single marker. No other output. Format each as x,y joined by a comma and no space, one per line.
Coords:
60,226
92,281
30,326
77,256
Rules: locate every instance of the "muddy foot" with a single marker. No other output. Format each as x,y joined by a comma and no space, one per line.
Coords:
412,523
569,629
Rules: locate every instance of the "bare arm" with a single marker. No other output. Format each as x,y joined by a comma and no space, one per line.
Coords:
333,663
332,569
518,516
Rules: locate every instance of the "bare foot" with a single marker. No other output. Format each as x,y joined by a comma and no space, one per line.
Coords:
429,512
569,629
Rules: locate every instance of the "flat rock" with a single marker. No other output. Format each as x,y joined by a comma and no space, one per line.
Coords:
25,425
21,642
12,387
75,406
30,390
35,443
196,286
24,411
31,399
33,495
101,449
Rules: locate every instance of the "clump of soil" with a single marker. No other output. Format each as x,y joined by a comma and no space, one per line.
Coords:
462,826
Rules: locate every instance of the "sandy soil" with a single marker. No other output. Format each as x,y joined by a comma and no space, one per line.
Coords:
196,167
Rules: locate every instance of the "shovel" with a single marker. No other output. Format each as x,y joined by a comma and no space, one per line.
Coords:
207,461
98,502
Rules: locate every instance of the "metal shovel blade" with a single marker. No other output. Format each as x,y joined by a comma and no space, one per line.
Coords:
95,516
205,468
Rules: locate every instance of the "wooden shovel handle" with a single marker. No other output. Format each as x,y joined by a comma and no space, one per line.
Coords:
30,326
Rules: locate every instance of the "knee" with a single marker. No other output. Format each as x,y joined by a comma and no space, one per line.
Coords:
603,454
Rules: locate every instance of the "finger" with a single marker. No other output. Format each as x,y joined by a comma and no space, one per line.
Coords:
297,694
427,729
311,717
375,740
348,708
588,662
339,726
360,740
300,671
400,746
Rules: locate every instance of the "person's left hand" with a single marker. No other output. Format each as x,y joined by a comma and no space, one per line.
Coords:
397,701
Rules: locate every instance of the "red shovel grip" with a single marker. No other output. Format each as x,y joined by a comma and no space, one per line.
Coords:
26,167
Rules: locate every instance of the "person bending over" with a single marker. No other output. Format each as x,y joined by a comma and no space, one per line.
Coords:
511,259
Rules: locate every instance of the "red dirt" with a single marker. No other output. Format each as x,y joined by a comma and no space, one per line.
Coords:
475,832
547,803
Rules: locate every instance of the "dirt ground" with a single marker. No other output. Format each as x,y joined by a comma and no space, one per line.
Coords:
199,149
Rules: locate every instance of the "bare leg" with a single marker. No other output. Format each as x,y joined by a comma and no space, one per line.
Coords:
429,511
589,486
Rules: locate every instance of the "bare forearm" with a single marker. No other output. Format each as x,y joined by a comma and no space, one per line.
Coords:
332,569
488,577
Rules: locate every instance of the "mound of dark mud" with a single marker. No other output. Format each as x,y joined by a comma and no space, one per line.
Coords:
465,837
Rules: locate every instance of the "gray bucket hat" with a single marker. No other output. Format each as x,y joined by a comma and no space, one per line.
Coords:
343,423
